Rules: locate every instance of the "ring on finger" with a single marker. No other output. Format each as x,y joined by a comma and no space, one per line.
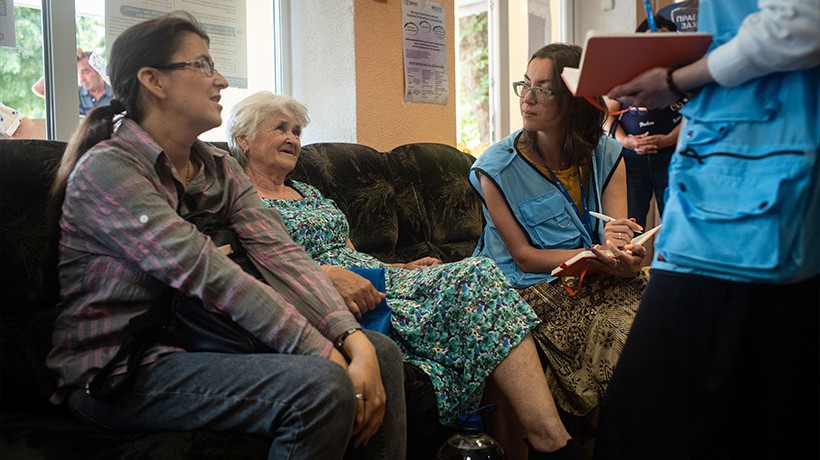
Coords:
615,263
360,397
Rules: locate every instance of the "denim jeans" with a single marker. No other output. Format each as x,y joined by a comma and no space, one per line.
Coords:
646,175
305,404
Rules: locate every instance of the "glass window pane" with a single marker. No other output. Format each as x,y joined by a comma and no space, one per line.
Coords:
92,77
243,42
21,63
472,77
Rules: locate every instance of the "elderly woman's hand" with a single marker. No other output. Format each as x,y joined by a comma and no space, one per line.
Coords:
423,262
358,292
371,399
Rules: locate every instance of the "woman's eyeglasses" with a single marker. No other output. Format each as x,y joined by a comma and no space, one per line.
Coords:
206,66
541,94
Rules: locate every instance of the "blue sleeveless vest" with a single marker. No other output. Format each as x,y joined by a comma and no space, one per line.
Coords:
546,217
743,202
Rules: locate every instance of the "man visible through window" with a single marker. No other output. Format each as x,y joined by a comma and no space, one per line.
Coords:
93,90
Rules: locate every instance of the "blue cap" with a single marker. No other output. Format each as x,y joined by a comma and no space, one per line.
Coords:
473,422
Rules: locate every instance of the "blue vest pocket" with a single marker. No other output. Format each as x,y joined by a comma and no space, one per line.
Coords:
742,220
547,220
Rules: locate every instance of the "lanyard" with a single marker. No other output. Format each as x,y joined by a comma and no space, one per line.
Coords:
584,218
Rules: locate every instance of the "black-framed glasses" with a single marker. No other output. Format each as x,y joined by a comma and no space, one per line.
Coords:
206,66
541,94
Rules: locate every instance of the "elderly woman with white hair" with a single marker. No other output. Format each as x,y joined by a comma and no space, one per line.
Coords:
461,322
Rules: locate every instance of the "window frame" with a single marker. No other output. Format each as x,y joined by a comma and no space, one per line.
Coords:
59,51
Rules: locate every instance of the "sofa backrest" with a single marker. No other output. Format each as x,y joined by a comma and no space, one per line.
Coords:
447,208
407,203
27,169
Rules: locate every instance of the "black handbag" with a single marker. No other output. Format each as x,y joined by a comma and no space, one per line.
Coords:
194,328
180,320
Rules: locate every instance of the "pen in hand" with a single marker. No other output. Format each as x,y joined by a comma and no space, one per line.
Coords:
606,218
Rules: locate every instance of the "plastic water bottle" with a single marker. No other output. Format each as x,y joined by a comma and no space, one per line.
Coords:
471,443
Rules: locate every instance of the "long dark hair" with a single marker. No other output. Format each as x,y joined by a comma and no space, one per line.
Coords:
585,122
147,44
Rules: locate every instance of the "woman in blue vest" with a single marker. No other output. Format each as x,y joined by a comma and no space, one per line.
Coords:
538,187
722,360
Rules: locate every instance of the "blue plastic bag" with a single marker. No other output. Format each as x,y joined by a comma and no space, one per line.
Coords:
378,319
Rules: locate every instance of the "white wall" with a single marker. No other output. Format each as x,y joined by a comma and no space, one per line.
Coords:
592,14
324,68
586,15
323,55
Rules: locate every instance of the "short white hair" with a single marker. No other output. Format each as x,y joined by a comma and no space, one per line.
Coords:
249,113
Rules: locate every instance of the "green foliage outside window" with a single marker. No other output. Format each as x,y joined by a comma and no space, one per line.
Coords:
473,83
22,66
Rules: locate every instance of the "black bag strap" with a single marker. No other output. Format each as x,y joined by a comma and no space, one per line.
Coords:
141,332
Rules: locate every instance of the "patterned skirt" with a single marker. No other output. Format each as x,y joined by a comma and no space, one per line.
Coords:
456,322
582,337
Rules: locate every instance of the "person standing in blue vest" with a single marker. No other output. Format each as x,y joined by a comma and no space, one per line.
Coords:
722,358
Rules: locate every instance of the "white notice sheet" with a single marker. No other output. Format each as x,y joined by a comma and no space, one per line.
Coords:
425,52
224,22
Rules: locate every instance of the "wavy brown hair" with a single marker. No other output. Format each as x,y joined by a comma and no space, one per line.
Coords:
585,122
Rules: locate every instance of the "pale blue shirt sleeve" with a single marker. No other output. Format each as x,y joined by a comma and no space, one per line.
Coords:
781,36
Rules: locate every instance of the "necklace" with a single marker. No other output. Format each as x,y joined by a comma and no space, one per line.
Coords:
188,173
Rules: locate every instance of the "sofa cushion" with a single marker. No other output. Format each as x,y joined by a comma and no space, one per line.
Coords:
57,435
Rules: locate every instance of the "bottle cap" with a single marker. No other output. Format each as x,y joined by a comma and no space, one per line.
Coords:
473,422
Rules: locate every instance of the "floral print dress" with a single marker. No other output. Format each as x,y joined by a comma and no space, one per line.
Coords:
455,321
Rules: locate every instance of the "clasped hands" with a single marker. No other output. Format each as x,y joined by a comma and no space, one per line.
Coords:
645,144
618,256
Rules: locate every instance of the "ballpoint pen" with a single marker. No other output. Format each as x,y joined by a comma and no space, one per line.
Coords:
650,16
606,218
601,216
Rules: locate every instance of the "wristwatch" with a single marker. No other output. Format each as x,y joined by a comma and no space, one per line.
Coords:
340,341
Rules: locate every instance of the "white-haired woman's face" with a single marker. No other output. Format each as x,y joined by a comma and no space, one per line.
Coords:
275,146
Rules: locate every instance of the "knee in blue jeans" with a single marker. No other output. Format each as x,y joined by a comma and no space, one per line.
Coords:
336,392
389,353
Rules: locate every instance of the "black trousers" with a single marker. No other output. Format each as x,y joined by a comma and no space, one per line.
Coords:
714,369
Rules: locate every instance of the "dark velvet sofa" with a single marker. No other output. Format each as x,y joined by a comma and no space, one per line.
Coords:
407,203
